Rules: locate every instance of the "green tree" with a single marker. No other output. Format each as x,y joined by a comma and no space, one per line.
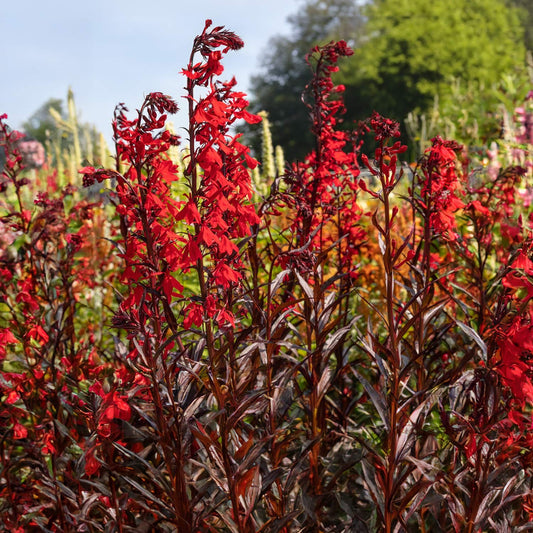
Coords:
526,8
414,48
42,120
278,88
68,141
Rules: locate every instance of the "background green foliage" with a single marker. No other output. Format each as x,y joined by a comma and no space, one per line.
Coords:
413,48
526,15
41,123
410,56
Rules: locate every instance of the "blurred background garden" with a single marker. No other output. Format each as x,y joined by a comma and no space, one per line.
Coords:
458,68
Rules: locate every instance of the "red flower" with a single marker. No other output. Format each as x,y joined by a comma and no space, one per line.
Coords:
117,407
515,342
48,445
225,275
37,332
189,213
92,464
440,185
477,207
12,397
194,314
6,337
19,431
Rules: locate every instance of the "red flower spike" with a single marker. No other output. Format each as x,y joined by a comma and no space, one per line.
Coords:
219,174
440,185
324,187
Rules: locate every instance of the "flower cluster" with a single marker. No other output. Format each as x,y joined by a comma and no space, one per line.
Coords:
324,186
153,250
441,186
218,205
514,334
386,162
53,260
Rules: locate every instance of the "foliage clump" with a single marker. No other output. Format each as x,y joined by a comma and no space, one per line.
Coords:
347,351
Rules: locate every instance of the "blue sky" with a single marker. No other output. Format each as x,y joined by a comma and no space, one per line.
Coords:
112,51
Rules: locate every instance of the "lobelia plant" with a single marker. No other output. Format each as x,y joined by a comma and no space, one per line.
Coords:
484,416
433,354
307,218
184,346
53,266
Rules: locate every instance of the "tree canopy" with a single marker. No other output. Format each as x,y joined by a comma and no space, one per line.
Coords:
526,15
42,120
407,52
414,48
